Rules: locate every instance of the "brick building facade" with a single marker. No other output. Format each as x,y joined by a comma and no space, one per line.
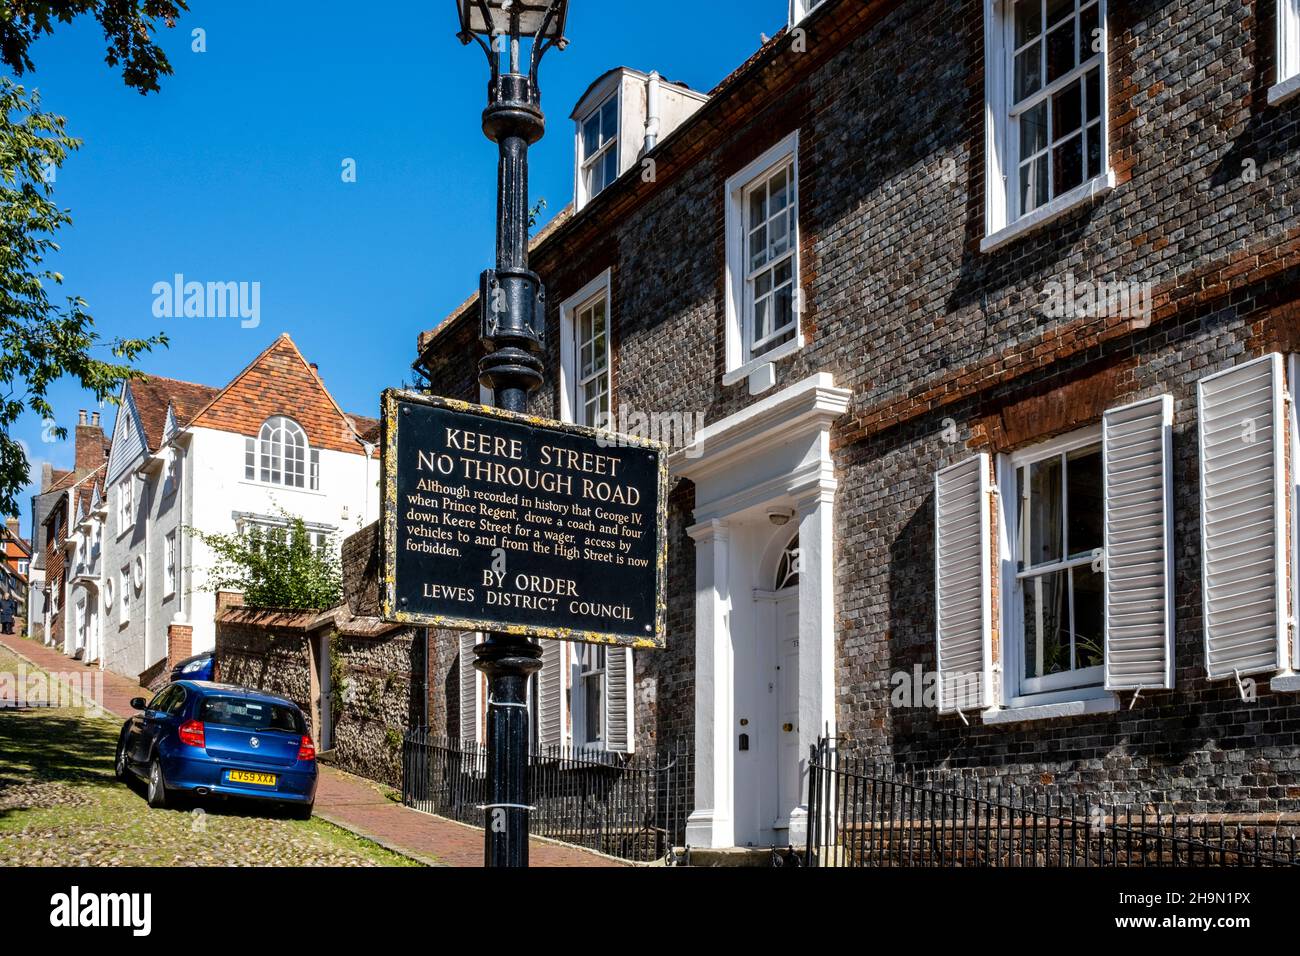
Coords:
969,179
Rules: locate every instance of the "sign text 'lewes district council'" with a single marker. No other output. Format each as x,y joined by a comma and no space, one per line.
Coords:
500,522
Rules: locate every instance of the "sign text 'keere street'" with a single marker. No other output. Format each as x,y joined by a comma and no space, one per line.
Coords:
495,521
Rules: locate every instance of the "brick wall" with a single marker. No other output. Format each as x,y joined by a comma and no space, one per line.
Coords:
904,309
267,650
376,675
54,561
382,697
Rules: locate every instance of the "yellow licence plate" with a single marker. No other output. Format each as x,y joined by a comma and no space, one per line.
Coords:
248,776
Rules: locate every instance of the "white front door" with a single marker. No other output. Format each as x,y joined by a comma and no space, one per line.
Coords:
787,705
79,628
767,715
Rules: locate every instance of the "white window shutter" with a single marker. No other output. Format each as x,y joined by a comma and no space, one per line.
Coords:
1137,447
618,699
1293,428
963,583
1243,508
551,685
471,700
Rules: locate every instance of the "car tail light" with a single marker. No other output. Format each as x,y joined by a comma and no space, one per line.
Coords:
191,733
306,749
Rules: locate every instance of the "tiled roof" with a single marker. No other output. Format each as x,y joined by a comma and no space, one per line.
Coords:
367,428
62,480
152,396
84,492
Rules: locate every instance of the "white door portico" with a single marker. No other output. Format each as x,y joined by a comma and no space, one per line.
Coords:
764,480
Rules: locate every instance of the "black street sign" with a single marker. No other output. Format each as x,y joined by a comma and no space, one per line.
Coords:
495,521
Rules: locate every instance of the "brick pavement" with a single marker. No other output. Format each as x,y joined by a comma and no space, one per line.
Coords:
351,802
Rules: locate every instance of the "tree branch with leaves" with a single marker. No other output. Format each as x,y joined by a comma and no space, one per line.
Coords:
128,25
275,567
43,339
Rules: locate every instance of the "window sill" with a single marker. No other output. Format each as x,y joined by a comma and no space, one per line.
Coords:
1280,92
274,487
1058,207
1288,684
742,372
1104,703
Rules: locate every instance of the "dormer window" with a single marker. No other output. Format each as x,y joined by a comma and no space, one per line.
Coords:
622,116
801,8
280,455
598,148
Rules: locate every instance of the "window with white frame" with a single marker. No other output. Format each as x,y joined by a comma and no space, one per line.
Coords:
1288,50
280,455
1047,90
321,537
173,474
1057,554
169,563
586,355
592,373
801,8
125,504
598,149
591,686
763,257
124,595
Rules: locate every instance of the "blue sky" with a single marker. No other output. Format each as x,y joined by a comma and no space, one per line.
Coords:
233,172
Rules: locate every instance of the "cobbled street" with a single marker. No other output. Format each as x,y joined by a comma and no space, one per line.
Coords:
61,806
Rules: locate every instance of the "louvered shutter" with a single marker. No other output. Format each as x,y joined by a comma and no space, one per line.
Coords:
1293,429
1137,444
551,681
963,595
618,699
1243,560
471,706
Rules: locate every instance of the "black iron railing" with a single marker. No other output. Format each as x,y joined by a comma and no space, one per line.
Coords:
865,814
632,806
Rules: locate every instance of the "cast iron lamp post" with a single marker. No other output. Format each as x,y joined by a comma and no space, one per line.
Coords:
512,303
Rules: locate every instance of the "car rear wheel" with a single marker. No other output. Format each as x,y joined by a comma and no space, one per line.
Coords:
120,769
157,786
301,811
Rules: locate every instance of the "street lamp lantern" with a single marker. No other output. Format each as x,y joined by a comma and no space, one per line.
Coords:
512,18
515,35
511,297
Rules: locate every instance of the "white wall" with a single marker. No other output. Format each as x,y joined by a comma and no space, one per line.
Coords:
211,491
348,500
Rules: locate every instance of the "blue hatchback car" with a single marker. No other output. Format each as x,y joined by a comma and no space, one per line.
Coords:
215,739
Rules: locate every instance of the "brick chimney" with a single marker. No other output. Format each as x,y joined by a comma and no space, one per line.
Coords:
12,525
90,443
47,476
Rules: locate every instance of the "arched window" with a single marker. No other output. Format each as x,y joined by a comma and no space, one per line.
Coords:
787,572
280,455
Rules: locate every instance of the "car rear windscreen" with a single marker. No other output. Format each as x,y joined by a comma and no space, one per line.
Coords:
252,714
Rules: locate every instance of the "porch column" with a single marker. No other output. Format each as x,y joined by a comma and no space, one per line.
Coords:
712,824
815,508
